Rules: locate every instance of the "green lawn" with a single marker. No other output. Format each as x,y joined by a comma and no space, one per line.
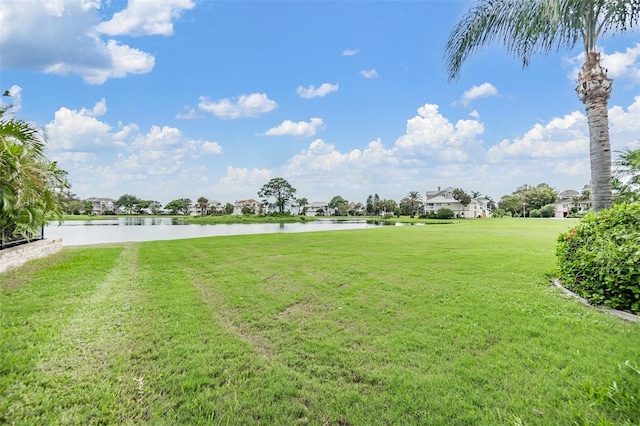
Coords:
438,324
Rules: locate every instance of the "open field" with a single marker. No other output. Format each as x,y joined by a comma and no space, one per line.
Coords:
442,324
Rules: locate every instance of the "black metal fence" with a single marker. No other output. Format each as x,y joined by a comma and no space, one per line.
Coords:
7,241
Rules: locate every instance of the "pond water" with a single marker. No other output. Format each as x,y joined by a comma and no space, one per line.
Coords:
125,229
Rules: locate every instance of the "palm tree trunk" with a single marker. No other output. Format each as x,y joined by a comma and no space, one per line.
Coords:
594,89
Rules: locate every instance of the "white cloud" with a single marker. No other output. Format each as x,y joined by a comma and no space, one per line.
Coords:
243,182
300,128
211,148
144,17
369,73
64,37
350,52
561,137
483,91
312,92
251,105
430,134
620,65
190,114
159,137
80,130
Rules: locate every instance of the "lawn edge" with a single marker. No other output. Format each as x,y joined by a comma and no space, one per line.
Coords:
627,316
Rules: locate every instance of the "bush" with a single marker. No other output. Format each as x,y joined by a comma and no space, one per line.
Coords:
548,211
445,213
600,258
535,213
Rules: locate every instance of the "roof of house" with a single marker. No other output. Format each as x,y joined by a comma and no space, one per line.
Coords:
249,201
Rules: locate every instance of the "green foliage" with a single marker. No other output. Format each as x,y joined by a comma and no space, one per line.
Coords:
548,211
29,182
280,190
180,206
340,205
461,196
498,212
445,213
535,213
600,258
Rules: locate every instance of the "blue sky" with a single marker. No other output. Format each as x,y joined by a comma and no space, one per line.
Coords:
188,98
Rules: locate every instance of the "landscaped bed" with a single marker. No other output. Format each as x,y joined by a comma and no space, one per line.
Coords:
451,324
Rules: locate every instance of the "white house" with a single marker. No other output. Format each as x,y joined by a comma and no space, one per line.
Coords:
569,199
102,205
250,203
316,207
443,198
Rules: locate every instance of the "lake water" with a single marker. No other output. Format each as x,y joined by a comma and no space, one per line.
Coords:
125,229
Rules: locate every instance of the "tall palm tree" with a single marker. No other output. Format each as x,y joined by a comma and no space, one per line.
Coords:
29,182
203,203
414,198
302,203
527,27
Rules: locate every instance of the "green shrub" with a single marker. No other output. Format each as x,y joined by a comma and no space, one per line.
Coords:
600,258
535,213
445,213
548,211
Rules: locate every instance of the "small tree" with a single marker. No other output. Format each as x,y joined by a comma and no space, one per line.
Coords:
339,204
127,202
462,197
280,190
179,206
228,208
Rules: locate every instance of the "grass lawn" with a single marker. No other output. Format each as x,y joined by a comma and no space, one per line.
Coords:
449,324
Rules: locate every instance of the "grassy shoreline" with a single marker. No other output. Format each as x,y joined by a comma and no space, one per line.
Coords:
392,325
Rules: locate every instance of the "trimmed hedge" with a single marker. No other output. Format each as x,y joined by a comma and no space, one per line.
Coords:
600,258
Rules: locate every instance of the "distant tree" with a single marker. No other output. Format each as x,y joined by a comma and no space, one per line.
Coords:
462,197
248,209
512,204
490,202
405,207
339,204
228,208
415,200
154,206
539,196
203,203
127,202
143,206
369,205
86,206
302,206
179,206
377,205
280,190
475,194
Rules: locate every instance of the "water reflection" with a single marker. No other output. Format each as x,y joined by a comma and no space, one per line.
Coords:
125,229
